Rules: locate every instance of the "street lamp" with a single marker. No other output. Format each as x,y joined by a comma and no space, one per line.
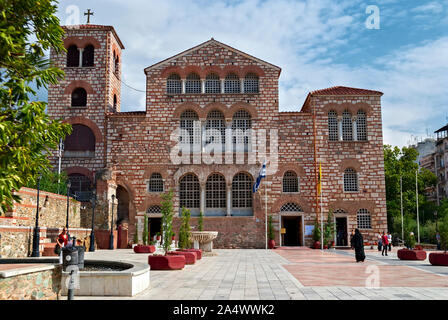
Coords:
35,252
111,239
69,184
92,233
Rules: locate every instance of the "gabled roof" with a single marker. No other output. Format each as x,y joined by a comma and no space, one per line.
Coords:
339,91
444,128
94,27
214,42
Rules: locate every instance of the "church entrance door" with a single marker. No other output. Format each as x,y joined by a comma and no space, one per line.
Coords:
293,230
154,226
341,232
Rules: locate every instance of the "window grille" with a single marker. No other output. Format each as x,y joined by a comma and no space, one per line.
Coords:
251,83
232,84
155,183
212,83
347,126
242,191
189,120
333,126
241,125
341,211
154,210
290,182
174,84
350,180
364,219
361,126
193,84
215,122
291,207
215,191
189,192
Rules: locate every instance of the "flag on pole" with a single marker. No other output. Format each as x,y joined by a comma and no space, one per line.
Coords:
319,179
261,175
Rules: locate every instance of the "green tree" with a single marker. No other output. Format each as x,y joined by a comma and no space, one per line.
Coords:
329,229
167,220
52,182
316,231
443,231
201,221
28,28
136,234
271,234
145,234
184,231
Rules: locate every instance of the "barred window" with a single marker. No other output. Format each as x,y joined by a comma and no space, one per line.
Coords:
215,122
188,135
242,191
154,210
155,183
193,84
79,97
251,83
290,182
212,83
340,211
364,219
241,125
173,84
333,126
291,207
361,126
215,191
232,84
73,56
189,191
347,126
350,180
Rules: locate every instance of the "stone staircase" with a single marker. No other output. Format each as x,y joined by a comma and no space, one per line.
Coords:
46,247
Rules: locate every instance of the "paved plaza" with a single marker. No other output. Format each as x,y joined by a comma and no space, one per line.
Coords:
290,273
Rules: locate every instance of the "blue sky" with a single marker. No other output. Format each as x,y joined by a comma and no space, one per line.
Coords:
317,43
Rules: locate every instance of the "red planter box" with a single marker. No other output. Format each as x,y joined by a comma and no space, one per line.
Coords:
171,262
198,252
405,254
190,257
144,249
438,259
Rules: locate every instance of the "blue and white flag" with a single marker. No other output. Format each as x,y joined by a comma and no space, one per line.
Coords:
261,175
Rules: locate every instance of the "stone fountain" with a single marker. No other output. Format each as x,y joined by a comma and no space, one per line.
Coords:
204,240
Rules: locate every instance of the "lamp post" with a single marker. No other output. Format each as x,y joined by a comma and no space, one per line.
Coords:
35,252
69,184
92,233
111,239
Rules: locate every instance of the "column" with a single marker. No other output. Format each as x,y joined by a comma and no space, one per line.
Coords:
202,86
80,56
202,200
340,128
355,129
183,85
229,199
242,85
222,86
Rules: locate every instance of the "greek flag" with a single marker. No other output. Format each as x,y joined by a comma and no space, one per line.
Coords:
261,175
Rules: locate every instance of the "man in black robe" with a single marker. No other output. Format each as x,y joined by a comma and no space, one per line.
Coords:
357,243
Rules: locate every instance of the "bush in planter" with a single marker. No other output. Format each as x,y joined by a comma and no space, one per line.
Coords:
136,234
409,240
329,229
184,231
316,233
271,233
145,230
167,220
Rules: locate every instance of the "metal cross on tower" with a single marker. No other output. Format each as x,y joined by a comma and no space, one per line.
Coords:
88,14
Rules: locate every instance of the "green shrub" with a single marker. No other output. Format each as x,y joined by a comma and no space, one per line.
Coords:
167,220
329,229
443,231
145,231
316,231
184,230
271,234
136,234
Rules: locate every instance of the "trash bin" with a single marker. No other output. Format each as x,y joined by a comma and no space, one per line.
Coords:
81,251
69,257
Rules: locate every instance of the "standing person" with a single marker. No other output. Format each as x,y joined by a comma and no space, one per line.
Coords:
389,239
357,242
62,242
351,239
438,240
380,243
385,241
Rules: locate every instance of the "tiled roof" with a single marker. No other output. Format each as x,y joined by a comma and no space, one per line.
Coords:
339,90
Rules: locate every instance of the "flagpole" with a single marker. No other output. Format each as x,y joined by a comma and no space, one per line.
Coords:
266,210
321,209
401,205
416,198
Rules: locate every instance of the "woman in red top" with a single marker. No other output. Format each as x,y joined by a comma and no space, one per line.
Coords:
63,238
385,242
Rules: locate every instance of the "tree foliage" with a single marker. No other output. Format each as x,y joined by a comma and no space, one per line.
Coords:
167,220
184,231
271,234
145,233
28,28
52,182
329,229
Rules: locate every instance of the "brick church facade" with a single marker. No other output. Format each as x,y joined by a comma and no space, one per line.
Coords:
215,87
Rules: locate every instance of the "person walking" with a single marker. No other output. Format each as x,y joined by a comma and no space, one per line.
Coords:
380,244
389,239
385,242
62,241
357,242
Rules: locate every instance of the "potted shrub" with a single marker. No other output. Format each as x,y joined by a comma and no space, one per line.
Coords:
145,234
173,237
410,253
158,236
185,239
167,261
316,235
271,234
329,231
441,258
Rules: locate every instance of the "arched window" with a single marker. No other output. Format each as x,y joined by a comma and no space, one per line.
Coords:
364,219
215,192
215,129
79,97
73,56
87,56
115,103
155,183
212,83
290,182
193,83
154,210
333,126
251,83
361,126
339,211
291,207
173,84
80,187
190,131
232,84
350,180
81,139
347,126
116,64
241,133
189,192
242,192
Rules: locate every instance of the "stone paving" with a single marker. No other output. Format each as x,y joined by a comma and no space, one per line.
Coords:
284,274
